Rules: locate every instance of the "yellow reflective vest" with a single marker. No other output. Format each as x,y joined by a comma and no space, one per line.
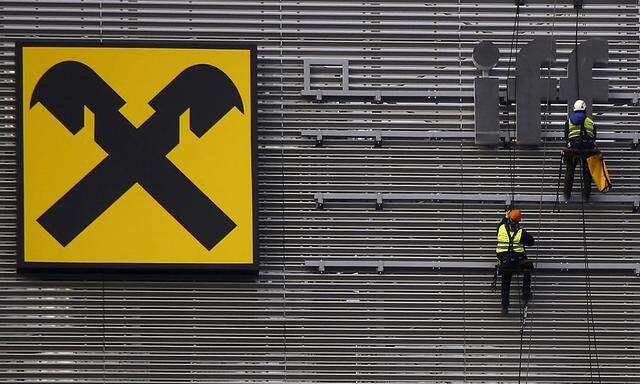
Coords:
575,129
504,241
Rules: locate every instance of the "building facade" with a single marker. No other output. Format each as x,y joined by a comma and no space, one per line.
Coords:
360,323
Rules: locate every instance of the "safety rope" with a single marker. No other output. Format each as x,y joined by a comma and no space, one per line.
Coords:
464,285
591,331
512,158
577,73
584,243
512,154
542,185
284,260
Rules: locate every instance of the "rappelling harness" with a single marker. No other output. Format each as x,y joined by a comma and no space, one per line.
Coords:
514,259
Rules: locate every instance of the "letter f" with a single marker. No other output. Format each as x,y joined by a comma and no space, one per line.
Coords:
530,88
591,53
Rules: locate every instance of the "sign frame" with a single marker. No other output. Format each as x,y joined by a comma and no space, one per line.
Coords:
30,266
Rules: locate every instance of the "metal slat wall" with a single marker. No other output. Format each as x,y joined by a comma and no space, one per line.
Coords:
292,323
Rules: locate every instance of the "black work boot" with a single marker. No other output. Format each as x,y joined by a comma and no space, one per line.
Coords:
505,311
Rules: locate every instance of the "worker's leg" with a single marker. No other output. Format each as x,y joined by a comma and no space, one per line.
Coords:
526,287
506,287
586,178
569,171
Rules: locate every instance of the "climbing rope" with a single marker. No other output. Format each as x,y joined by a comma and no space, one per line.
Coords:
591,331
464,288
512,161
576,50
282,176
542,185
512,154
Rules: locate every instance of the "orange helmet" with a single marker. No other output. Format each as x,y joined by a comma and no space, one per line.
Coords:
515,215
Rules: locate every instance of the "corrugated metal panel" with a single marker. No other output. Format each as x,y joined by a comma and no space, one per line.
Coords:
293,324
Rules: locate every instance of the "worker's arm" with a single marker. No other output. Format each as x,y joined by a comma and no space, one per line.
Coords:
566,131
595,132
526,238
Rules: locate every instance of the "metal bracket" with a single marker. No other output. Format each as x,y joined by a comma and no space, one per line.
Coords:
379,202
379,198
377,97
319,201
505,138
308,63
319,138
381,266
377,143
508,204
506,141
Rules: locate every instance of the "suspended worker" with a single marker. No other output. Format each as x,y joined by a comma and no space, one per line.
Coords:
512,257
580,135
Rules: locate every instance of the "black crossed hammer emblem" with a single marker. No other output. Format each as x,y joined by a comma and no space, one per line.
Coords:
136,155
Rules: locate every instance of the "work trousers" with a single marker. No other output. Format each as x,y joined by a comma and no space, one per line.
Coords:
506,287
570,161
511,263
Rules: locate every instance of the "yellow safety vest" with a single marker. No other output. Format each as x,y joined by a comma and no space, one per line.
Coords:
574,129
503,240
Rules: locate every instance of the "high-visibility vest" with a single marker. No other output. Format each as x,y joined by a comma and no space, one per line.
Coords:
575,130
504,240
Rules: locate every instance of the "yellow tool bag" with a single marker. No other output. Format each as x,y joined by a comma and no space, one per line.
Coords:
599,172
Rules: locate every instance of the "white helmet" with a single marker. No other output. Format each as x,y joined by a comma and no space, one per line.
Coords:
579,105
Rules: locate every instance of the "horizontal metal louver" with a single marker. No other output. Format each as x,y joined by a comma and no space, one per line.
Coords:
293,323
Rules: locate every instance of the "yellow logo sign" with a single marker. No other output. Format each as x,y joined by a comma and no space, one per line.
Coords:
136,156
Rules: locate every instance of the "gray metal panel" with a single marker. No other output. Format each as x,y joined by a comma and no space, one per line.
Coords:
486,111
633,201
531,88
379,135
296,325
458,266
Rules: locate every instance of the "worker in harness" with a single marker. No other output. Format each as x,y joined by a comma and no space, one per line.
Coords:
580,135
512,257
